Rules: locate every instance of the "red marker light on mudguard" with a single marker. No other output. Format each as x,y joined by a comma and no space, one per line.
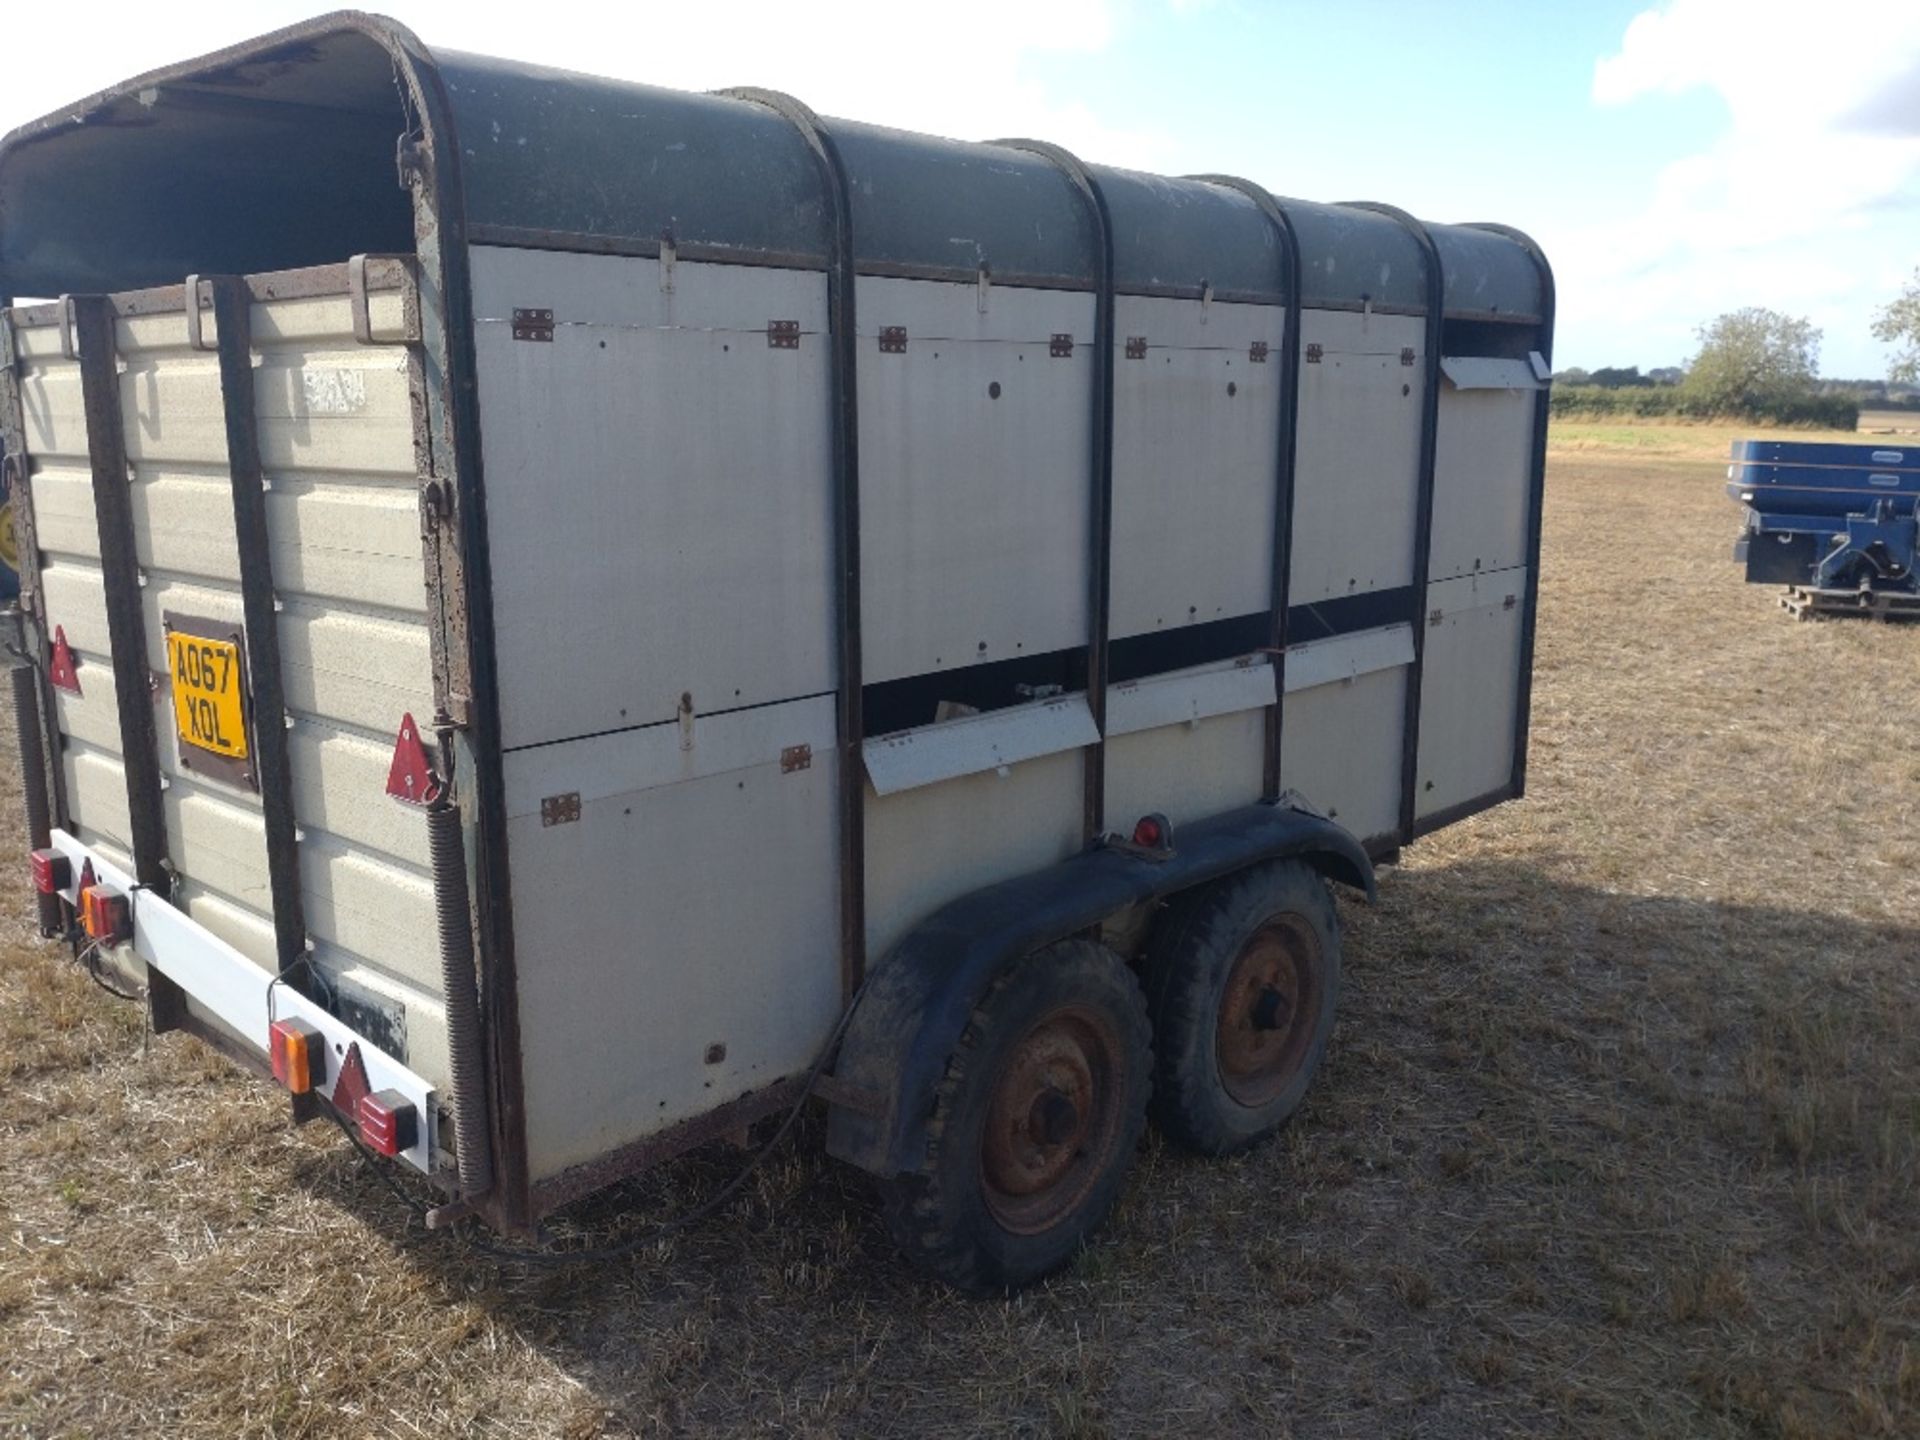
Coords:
1150,833
105,915
51,871
387,1121
299,1055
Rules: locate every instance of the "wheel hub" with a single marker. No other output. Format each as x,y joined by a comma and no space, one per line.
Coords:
1267,1010
1050,1121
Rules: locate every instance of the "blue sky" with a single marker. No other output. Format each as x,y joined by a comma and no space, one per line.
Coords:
1677,158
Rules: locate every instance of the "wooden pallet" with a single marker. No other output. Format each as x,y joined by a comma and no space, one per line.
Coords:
1804,603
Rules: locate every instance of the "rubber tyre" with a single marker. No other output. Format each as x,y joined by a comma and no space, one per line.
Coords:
948,1215
1190,961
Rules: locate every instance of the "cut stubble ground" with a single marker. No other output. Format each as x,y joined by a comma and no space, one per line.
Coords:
1619,1133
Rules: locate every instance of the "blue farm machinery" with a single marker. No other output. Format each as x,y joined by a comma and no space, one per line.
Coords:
1835,524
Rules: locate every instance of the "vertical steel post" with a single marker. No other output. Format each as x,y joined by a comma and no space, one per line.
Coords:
93,330
844,420
1100,547
1285,463
1423,513
232,316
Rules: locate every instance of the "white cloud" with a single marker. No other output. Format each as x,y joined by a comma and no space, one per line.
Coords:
939,70
1821,146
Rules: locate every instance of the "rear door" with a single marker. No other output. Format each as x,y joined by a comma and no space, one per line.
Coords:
335,421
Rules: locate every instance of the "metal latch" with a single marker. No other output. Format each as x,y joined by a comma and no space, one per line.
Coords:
536,325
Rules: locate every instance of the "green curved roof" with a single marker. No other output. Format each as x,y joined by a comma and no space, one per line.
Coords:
280,153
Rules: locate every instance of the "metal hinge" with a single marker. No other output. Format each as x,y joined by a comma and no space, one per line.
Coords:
1435,618
1060,347
783,334
893,339
9,346
1314,352
1257,353
533,325
560,809
1406,356
1510,602
796,757
1136,347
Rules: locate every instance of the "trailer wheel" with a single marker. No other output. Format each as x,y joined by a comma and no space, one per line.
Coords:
1242,978
1034,1125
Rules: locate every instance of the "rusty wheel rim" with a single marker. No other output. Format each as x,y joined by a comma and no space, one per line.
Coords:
1053,1121
1268,1011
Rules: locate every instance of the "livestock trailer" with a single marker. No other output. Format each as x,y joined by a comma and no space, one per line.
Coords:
1837,524
563,618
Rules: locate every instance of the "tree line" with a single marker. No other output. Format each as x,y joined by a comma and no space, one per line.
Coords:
1753,364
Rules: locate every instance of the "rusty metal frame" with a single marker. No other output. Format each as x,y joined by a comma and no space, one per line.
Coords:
1423,512
1286,463
1100,541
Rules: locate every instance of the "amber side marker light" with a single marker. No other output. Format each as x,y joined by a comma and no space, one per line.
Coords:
299,1055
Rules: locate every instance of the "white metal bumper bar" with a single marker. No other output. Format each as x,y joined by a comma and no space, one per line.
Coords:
235,991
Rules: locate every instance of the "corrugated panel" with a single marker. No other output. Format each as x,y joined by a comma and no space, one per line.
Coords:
1357,465
975,500
1482,491
336,423
1196,435
1470,680
659,495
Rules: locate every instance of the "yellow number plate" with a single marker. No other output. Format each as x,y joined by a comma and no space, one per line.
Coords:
207,686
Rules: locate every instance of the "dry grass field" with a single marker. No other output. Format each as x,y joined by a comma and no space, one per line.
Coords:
1619,1133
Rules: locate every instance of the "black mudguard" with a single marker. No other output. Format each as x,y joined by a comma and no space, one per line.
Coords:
917,1003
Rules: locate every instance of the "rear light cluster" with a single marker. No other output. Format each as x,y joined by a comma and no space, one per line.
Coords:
105,915
299,1055
52,872
387,1120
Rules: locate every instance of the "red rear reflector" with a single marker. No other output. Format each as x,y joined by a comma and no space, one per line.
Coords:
62,669
387,1121
299,1055
51,871
410,778
104,915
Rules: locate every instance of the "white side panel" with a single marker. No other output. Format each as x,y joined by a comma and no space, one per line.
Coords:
1481,497
1341,748
1196,435
659,489
1181,697
934,844
336,428
678,943
1470,688
1347,657
1187,771
1357,455
975,485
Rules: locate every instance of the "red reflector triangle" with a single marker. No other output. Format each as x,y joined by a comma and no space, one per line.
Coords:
63,670
410,778
352,1086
